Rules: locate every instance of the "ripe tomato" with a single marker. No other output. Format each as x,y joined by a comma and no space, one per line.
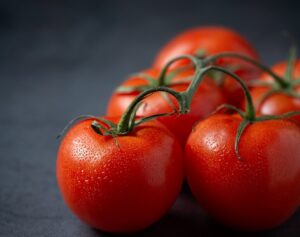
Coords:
277,103
258,192
213,40
207,98
121,188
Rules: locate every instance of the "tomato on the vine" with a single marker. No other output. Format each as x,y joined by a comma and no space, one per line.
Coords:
121,184
281,101
213,40
121,173
207,98
256,192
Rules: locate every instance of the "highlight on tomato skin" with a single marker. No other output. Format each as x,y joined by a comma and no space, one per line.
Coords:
123,172
120,185
209,40
260,191
278,102
207,98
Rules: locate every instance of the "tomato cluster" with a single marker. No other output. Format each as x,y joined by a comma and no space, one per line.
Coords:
122,172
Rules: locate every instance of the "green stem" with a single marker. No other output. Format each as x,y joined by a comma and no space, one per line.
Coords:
264,68
288,75
200,75
123,126
241,128
73,121
195,61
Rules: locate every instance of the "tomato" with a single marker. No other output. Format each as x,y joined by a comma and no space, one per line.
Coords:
262,189
277,103
120,188
207,98
213,40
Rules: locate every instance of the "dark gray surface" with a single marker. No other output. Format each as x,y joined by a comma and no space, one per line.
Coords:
61,59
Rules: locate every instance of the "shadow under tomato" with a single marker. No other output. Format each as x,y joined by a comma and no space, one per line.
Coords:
186,218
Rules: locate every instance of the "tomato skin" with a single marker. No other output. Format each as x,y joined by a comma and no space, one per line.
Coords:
280,69
258,192
207,98
122,189
119,101
278,103
213,40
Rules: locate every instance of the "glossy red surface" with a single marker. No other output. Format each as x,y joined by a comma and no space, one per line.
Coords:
121,188
258,192
207,98
277,103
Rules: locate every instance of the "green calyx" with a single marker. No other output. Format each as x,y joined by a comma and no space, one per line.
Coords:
285,85
248,116
202,68
291,84
127,121
245,122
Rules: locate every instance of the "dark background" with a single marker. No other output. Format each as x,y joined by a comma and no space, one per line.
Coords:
59,59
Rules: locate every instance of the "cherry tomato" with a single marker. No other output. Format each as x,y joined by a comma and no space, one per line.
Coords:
213,40
120,188
258,192
277,103
207,98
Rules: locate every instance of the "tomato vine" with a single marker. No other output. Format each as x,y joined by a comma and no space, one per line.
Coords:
202,66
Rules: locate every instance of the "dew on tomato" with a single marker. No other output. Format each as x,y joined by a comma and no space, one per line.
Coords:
123,188
258,192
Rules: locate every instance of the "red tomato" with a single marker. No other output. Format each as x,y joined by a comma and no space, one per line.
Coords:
213,40
258,192
120,189
207,98
277,103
